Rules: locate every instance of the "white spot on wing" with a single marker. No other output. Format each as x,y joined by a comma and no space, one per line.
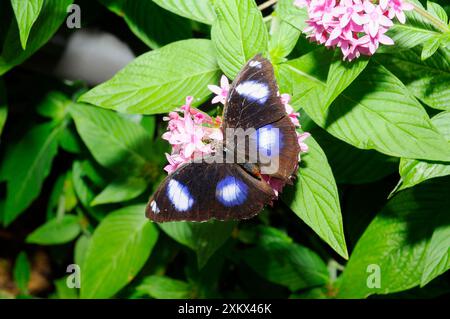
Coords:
254,91
154,207
179,195
269,140
256,64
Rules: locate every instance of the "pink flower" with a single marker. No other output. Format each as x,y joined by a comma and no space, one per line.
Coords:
221,91
285,98
372,43
301,141
396,8
374,18
276,184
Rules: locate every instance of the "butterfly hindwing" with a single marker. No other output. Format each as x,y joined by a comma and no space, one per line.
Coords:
201,191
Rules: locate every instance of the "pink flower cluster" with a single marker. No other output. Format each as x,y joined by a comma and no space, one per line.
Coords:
191,133
357,27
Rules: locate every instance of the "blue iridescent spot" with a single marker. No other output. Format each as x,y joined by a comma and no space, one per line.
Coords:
269,140
231,191
179,195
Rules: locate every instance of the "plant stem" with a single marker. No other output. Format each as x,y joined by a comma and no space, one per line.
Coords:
266,4
441,26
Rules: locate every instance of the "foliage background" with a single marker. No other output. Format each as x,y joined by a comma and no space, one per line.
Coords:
79,163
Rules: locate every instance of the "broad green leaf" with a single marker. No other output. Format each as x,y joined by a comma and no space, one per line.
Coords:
352,165
52,15
437,259
436,10
69,140
283,38
429,48
292,14
163,287
26,166
203,238
26,13
158,81
287,264
199,10
115,142
340,75
81,247
21,272
238,33
428,80
120,246
375,112
3,106
149,22
398,242
56,231
315,198
414,172
121,190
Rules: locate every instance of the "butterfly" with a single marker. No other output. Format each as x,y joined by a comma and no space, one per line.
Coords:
203,190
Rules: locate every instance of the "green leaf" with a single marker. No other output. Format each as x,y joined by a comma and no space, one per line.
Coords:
21,272
115,142
198,10
203,238
400,242
437,259
119,248
3,106
287,264
430,47
26,13
158,81
81,247
283,38
163,287
352,165
56,231
121,190
428,80
26,166
315,198
149,22
238,33
414,172
52,15
292,14
375,112
63,291
62,197
436,10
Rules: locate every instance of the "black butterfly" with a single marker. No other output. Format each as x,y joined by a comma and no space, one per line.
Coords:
199,191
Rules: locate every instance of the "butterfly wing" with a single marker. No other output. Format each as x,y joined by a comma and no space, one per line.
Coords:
253,102
201,191
253,99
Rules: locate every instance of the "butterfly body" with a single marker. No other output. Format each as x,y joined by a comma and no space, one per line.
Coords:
219,188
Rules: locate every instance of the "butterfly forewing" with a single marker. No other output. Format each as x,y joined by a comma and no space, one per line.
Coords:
202,191
253,102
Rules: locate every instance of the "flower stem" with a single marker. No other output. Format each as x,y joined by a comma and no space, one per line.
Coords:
441,26
266,4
